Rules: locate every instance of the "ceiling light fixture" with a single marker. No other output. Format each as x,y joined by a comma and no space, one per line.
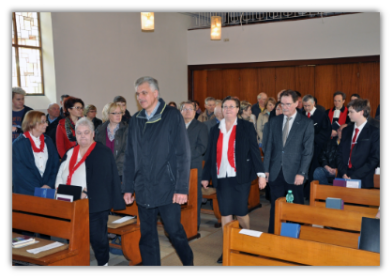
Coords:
216,28
147,20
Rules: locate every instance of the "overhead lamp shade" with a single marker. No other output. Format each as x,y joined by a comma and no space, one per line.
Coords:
147,21
216,28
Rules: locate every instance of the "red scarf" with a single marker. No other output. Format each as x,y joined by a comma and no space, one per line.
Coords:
230,150
35,149
74,157
342,117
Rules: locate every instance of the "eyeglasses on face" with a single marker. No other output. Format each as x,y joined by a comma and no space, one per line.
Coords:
229,107
188,109
77,107
116,113
286,104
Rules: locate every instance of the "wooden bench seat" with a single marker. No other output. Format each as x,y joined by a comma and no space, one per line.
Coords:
67,220
347,222
364,200
274,250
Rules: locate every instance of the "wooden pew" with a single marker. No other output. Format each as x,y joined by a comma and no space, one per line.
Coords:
368,198
274,250
348,222
68,220
130,234
376,181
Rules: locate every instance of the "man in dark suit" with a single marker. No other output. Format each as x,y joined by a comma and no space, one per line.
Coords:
322,132
359,150
259,107
218,116
289,152
53,118
198,140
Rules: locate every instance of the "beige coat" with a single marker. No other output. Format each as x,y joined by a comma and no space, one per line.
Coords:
261,121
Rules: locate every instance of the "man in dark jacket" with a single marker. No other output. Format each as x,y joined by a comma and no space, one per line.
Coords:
53,118
19,111
156,167
123,104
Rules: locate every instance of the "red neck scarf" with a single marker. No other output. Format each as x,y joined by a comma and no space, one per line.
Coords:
342,117
230,150
74,157
35,149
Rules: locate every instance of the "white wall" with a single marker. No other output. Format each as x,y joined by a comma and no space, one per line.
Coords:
338,36
99,55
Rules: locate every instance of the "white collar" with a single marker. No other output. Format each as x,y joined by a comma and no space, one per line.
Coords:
361,126
293,116
222,125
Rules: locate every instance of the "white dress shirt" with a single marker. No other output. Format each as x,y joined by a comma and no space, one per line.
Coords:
39,158
359,132
311,112
290,123
225,168
78,178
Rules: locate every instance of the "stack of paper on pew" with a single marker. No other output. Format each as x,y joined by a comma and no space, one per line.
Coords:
350,183
44,192
334,203
21,241
290,230
339,182
118,221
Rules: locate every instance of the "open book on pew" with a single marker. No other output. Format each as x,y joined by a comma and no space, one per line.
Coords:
350,183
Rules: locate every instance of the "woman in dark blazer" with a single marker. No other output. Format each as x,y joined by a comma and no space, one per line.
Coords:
33,164
232,162
91,166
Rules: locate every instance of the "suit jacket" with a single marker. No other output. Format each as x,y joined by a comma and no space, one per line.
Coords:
365,155
198,140
247,154
51,129
210,124
295,157
322,129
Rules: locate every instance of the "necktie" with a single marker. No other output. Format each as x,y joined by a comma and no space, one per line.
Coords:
308,114
286,130
352,146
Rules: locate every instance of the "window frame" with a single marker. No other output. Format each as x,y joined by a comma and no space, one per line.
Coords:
39,48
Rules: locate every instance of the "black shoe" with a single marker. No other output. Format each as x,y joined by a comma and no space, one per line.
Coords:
219,261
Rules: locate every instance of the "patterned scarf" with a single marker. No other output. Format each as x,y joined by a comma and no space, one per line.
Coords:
70,129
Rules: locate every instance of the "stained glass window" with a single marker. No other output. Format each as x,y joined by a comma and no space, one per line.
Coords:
27,52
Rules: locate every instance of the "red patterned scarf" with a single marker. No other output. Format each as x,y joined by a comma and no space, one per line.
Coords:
74,157
35,149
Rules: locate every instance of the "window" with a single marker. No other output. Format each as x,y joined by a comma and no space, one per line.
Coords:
27,53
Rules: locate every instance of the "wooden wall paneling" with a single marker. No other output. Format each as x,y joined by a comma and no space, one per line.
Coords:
347,79
304,80
249,85
285,78
214,84
325,85
370,84
266,81
200,86
231,83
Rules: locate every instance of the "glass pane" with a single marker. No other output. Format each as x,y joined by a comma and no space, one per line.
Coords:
30,70
12,24
27,28
14,74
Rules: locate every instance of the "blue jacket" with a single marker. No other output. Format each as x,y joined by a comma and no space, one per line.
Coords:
25,175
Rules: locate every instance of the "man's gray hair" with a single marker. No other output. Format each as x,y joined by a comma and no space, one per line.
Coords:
187,102
18,90
218,102
151,81
307,98
84,122
208,99
50,105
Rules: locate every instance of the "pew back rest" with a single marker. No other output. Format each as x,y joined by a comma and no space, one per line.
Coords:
269,249
69,220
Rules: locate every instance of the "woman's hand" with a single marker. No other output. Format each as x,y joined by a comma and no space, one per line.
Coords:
262,182
204,184
46,186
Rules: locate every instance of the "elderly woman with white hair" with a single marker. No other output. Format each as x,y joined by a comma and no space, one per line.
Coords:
91,166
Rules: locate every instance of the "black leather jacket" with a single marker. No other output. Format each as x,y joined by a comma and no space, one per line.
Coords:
329,154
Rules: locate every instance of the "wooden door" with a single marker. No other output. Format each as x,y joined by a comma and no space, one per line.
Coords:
267,81
347,80
214,84
304,80
231,83
285,78
200,86
325,85
249,85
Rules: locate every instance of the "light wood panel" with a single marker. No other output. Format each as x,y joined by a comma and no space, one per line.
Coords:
304,80
231,83
248,85
325,85
266,81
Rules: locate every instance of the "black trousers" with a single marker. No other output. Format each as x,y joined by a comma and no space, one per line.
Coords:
279,188
99,236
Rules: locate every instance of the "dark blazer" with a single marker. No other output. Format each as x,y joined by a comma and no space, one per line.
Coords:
295,157
25,175
103,182
120,143
198,140
210,124
97,122
365,155
247,154
322,129
51,129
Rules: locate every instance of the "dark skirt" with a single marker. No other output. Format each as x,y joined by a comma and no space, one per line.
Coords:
232,197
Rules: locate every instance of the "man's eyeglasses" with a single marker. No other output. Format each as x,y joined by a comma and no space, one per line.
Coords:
77,108
285,104
118,113
229,107
187,109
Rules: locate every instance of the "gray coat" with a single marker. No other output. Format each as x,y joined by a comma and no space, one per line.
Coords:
295,157
121,137
198,140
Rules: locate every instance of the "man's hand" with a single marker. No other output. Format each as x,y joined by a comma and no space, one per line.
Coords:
333,171
266,177
262,182
180,198
46,186
204,184
128,198
334,133
299,179
14,128
346,177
